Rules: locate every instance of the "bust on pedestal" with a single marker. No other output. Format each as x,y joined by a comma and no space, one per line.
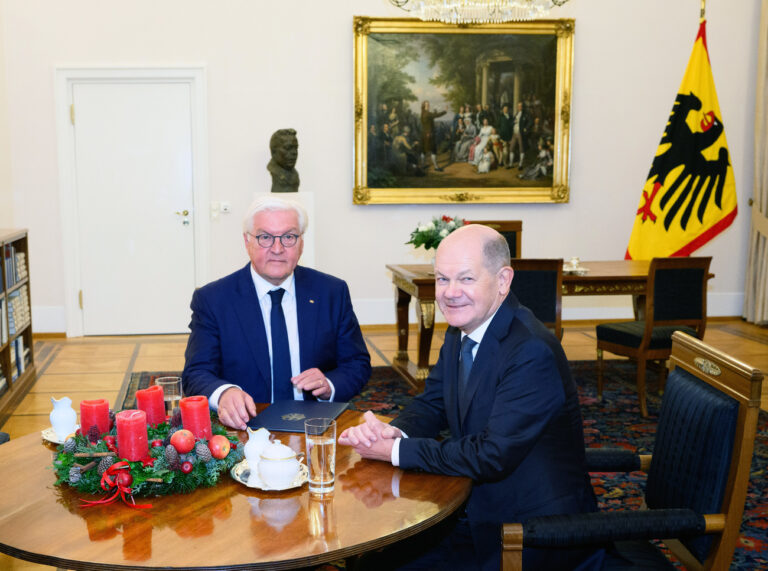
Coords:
284,147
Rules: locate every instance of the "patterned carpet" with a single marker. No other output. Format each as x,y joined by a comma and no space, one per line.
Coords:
616,421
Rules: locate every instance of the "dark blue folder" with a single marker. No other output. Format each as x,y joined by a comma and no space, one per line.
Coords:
289,415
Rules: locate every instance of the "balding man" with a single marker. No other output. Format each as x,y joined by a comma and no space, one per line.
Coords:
503,388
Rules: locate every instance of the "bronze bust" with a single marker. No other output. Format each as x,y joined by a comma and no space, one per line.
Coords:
284,147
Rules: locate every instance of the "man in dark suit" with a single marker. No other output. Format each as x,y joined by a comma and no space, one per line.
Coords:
245,349
502,386
506,124
521,124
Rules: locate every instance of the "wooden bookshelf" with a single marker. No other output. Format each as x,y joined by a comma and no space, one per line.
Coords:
17,359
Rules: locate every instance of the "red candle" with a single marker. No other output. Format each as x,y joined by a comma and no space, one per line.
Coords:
132,435
150,400
94,413
195,416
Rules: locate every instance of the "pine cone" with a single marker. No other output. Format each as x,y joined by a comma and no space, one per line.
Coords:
93,434
167,439
203,452
69,445
176,418
172,457
74,474
111,418
105,463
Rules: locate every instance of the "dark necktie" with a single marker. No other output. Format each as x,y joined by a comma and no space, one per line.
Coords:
466,361
281,354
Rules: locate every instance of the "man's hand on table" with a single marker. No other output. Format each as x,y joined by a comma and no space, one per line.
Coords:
314,381
371,439
236,408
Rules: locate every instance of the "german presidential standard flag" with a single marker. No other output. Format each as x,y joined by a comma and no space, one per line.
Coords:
690,194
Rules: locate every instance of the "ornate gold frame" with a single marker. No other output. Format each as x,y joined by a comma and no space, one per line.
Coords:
559,191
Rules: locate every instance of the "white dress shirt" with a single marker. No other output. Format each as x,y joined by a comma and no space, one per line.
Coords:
476,336
263,287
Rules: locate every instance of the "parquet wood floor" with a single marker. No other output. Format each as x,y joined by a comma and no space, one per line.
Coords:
95,367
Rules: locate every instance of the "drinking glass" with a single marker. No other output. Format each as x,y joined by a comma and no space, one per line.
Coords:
320,436
171,392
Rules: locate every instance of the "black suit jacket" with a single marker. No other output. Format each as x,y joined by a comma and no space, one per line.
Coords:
517,431
228,343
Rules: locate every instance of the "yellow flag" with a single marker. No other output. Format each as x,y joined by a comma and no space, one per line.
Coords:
690,194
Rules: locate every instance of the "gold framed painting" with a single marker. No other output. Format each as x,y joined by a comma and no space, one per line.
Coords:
462,114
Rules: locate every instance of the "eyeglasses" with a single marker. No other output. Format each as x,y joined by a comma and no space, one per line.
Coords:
266,240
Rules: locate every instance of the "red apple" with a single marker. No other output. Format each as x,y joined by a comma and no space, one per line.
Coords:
124,479
183,441
156,442
110,439
219,446
186,467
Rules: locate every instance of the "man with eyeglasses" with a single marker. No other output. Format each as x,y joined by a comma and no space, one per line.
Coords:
273,330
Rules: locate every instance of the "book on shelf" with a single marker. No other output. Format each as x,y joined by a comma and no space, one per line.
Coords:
3,321
18,346
14,372
3,383
10,265
19,315
21,266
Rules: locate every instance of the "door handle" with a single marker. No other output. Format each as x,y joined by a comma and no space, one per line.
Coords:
183,213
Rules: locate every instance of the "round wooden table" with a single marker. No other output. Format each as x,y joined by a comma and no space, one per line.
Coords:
228,526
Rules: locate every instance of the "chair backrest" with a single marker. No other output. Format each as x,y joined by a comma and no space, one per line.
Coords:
538,285
704,443
677,293
512,230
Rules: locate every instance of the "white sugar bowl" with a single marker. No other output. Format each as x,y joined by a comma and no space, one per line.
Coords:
279,465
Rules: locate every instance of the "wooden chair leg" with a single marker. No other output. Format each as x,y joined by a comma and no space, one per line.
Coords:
663,377
641,364
599,373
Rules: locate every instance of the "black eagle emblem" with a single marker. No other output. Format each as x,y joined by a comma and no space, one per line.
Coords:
700,177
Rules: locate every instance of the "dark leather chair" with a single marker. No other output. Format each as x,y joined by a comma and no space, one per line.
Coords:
676,300
512,230
4,437
697,476
538,285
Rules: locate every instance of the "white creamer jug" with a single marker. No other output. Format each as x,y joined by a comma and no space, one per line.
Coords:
257,440
63,417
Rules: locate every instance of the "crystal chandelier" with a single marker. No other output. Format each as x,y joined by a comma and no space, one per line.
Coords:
477,11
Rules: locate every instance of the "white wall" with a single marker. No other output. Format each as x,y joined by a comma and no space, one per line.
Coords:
289,64
6,192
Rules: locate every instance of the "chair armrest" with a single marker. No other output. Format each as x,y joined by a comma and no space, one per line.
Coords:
603,527
616,460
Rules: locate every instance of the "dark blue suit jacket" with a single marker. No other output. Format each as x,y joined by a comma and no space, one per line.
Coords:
517,432
228,343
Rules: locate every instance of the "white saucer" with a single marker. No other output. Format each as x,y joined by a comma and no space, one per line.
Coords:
240,472
49,434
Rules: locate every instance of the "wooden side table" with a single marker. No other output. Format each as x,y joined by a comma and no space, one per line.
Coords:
418,281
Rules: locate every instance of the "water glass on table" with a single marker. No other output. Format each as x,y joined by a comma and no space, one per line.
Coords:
320,436
171,392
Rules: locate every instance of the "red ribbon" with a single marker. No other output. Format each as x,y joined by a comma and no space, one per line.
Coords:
109,481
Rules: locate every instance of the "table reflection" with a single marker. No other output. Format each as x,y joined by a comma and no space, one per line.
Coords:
105,522
276,512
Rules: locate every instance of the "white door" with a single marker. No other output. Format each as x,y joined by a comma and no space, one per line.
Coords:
133,177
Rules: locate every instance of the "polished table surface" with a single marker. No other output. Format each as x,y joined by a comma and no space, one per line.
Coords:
619,277
227,526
